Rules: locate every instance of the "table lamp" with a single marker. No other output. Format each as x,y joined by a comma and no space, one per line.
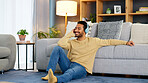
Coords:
66,8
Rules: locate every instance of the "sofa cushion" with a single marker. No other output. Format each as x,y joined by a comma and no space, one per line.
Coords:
139,52
50,48
110,30
126,30
105,52
4,52
139,33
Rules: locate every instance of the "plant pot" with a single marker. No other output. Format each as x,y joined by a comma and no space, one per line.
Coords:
22,37
108,11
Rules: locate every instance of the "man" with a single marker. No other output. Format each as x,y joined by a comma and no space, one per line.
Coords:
81,54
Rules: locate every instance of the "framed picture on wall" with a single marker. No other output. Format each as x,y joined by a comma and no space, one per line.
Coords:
117,9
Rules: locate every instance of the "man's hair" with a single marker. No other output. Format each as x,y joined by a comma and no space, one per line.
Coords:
83,23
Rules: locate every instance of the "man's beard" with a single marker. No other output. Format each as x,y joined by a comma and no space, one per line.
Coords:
80,35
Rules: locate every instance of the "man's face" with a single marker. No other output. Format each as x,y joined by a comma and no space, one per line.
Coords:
79,30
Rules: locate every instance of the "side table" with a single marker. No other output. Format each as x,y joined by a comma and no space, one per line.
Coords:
25,43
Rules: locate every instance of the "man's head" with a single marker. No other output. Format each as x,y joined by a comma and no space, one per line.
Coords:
79,30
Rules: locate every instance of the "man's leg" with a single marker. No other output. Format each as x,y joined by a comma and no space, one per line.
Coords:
76,71
58,56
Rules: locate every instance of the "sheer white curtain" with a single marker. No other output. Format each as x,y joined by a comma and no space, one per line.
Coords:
16,15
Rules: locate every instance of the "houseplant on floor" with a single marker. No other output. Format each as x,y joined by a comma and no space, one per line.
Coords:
22,34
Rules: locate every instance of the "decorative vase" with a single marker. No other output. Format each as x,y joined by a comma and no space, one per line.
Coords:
108,11
22,37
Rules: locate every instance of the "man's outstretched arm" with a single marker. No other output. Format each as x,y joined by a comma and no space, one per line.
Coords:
107,42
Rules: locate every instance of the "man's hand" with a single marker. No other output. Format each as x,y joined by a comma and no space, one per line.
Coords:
73,30
130,43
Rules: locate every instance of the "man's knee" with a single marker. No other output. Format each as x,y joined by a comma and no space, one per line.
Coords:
57,48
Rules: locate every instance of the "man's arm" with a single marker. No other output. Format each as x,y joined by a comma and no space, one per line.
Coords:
107,42
64,42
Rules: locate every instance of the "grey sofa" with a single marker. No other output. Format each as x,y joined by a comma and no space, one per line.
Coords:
7,52
121,59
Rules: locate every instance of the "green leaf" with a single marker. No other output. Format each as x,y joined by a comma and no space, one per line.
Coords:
22,32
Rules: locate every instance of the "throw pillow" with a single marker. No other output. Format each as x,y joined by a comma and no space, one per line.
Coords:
90,28
139,33
110,30
70,26
94,30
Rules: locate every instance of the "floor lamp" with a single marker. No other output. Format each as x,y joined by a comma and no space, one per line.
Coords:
66,8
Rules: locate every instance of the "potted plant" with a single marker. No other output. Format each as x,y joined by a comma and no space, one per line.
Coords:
22,34
42,34
53,33
92,17
108,11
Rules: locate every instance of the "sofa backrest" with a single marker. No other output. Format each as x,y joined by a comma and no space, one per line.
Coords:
125,33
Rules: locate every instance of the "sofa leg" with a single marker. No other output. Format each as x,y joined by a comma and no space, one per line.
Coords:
139,76
102,74
127,76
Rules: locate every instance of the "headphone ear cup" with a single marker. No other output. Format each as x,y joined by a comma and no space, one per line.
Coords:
87,29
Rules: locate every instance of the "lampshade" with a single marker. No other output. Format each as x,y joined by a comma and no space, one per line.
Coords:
69,7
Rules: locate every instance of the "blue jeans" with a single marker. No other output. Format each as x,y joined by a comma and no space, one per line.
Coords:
70,70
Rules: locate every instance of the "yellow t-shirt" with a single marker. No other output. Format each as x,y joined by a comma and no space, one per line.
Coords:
83,52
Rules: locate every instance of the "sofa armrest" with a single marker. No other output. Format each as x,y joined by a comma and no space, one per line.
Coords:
41,54
7,40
